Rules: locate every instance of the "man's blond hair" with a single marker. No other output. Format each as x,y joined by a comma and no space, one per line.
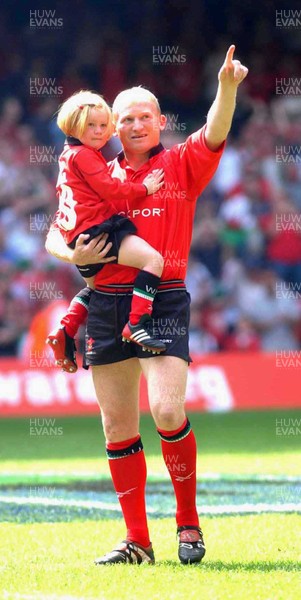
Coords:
132,96
74,113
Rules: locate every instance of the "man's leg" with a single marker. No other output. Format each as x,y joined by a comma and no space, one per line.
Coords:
117,387
166,380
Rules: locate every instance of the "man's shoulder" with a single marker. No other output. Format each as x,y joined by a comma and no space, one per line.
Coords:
196,145
195,137
195,141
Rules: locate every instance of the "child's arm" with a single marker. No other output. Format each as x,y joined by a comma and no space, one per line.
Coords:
96,173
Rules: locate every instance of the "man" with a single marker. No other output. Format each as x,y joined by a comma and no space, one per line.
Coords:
165,221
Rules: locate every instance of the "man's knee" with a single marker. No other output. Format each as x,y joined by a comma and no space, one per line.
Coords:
168,416
118,428
113,427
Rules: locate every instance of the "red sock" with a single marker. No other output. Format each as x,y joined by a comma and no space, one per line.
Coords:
145,288
179,453
128,470
77,311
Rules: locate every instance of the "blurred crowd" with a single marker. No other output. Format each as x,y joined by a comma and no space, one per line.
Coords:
244,274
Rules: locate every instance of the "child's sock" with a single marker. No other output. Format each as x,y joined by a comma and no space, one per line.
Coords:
145,288
77,311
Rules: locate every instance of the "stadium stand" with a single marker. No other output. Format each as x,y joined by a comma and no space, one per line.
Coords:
245,271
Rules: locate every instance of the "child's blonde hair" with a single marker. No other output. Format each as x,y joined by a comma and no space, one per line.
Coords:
132,96
74,113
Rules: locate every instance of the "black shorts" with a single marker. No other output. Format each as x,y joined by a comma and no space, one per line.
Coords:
108,313
117,227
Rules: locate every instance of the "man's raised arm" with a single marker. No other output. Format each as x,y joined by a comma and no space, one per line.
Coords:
219,118
83,254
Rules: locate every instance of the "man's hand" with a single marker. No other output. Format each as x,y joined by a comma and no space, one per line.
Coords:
220,115
83,254
232,72
94,252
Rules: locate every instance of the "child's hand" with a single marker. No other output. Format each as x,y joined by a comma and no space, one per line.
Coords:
154,181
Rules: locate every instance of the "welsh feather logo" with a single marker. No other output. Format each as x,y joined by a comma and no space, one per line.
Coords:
89,345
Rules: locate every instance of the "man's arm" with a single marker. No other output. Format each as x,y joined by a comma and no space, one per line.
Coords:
219,118
83,254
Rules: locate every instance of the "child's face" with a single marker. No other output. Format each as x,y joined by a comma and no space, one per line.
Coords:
97,132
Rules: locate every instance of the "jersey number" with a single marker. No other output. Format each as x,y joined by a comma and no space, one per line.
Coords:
67,216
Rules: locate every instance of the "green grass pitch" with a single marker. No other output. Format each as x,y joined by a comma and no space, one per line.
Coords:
47,552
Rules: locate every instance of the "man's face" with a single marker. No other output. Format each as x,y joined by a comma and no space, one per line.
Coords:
139,125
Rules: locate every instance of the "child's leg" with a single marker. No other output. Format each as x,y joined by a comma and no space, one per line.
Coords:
78,309
135,252
61,339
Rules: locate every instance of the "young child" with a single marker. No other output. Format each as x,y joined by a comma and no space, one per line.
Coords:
88,203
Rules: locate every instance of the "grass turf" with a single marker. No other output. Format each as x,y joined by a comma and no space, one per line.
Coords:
235,443
248,557
252,557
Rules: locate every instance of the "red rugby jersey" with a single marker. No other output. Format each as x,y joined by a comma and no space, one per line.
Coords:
87,193
165,219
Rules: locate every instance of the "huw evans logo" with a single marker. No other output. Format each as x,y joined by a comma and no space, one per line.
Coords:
288,427
288,86
171,191
44,86
288,222
288,359
44,427
168,55
173,123
45,19
43,491
168,327
43,155
288,290
288,154
45,290
288,18
173,464
40,222
41,358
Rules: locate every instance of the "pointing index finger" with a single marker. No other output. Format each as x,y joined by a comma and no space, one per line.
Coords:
229,55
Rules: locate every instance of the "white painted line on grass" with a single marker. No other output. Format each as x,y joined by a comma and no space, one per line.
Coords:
224,509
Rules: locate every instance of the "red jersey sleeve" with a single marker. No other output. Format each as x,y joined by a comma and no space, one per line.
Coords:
94,170
197,164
